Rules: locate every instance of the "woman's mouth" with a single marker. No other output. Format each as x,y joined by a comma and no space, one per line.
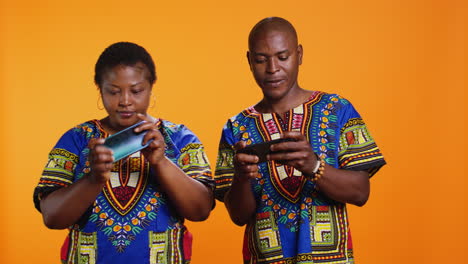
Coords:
126,114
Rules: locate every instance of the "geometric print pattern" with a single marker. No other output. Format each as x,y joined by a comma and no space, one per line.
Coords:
83,248
328,233
127,183
131,205
267,245
164,247
287,180
357,149
294,221
193,160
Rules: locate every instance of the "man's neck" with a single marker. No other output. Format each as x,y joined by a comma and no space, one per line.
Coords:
291,100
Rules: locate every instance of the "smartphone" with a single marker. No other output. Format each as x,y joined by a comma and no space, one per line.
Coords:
261,150
126,142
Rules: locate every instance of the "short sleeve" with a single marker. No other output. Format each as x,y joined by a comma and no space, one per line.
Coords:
357,148
192,158
224,172
59,171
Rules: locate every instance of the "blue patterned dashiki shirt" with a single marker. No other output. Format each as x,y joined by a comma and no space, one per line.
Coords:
295,222
132,220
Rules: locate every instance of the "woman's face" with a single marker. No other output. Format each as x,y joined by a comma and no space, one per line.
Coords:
125,92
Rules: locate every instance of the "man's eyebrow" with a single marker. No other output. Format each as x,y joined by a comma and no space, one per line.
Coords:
263,54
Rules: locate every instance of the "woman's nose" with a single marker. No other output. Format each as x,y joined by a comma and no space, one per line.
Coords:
125,99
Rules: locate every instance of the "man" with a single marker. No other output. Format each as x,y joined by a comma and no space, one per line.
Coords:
294,204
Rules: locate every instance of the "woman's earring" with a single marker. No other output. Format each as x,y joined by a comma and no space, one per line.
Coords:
97,103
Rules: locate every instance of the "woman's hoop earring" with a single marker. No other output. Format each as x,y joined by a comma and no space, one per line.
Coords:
97,103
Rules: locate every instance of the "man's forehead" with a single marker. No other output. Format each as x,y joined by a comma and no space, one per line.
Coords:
274,41
272,31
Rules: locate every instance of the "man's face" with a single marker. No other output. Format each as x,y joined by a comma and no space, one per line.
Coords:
274,59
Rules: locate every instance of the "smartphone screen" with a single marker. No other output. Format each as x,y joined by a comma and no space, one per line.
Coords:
126,142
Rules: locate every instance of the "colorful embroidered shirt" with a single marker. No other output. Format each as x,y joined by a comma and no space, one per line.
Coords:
131,220
295,223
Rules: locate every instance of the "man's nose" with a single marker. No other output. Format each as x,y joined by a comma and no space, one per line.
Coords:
272,65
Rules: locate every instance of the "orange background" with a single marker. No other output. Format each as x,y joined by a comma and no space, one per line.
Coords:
401,63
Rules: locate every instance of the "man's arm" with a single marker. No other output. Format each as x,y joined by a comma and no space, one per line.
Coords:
344,185
239,199
340,185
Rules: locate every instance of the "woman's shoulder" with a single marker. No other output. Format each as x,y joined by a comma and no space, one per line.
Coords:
83,131
174,129
170,126
77,137
87,129
179,134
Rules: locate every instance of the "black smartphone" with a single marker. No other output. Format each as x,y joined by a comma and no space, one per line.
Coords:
261,150
126,142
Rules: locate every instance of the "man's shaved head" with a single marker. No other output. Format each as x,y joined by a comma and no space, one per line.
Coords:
274,57
272,24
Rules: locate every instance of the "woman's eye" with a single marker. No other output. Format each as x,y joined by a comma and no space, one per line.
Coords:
136,91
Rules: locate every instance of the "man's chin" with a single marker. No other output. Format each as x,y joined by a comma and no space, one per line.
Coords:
275,95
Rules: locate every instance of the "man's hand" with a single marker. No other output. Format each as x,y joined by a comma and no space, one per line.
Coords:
297,153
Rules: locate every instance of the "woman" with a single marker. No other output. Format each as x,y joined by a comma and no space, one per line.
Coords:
132,210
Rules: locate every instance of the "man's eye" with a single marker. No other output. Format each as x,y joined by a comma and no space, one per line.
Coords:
283,58
260,60
136,91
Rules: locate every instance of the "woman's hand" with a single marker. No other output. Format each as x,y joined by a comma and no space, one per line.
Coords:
297,153
154,153
245,165
100,159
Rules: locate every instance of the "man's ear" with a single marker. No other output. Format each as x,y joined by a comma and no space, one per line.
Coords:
248,60
300,52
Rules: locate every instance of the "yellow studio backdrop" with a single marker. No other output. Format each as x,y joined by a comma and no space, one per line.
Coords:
401,63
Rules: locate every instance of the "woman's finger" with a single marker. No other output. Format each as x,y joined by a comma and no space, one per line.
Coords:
153,134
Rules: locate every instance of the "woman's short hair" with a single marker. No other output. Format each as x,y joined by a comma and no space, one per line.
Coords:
123,53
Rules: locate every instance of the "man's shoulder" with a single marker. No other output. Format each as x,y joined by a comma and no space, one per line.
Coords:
333,99
245,115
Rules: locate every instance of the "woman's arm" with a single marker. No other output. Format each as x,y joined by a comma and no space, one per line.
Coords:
64,207
192,199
